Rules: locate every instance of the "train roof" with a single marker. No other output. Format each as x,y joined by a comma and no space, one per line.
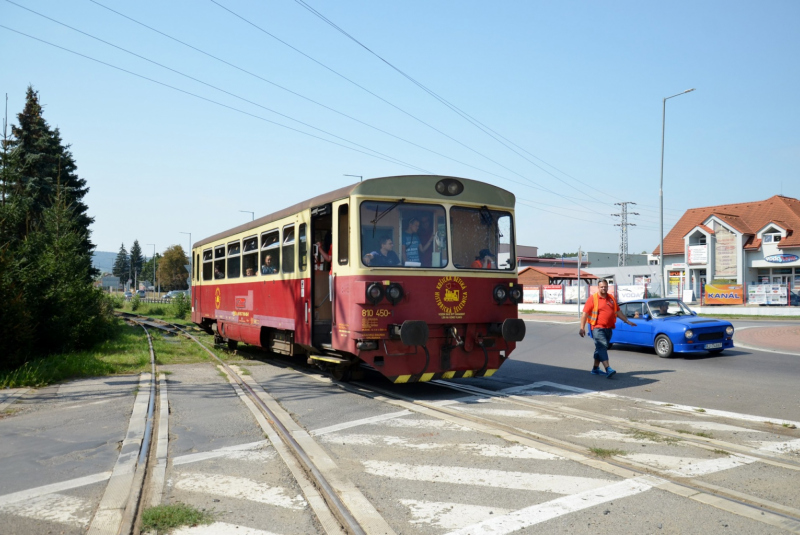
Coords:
392,186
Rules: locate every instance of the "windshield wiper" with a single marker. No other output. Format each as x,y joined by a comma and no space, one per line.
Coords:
380,216
488,219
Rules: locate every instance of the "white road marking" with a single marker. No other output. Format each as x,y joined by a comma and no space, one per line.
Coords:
679,408
780,447
253,451
511,413
614,435
240,488
543,512
707,426
449,515
486,478
53,508
356,423
514,451
691,467
28,494
220,528
419,423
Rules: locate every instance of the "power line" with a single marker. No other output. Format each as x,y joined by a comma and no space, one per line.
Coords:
215,87
243,112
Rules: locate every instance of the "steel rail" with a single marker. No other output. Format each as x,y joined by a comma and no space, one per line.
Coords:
329,494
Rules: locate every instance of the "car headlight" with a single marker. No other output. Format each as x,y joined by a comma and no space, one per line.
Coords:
729,330
515,294
394,294
375,293
689,334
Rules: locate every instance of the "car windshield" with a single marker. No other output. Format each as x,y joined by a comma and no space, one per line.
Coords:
403,234
668,307
479,235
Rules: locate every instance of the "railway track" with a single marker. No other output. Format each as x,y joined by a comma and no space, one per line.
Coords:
324,489
684,485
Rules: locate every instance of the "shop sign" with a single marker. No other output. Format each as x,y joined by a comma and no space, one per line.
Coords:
781,258
724,294
553,294
698,254
530,294
678,266
630,292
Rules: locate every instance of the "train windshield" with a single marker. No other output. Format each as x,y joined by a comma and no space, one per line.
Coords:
402,234
482,238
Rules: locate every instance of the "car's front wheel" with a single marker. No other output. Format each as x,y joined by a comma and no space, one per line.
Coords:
663,346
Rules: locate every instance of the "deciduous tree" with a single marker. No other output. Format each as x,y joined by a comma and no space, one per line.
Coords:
172,273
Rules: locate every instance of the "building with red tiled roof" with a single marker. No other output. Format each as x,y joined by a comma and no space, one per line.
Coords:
745,243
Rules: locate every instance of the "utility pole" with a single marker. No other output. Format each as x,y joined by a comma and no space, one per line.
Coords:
580,256
622,259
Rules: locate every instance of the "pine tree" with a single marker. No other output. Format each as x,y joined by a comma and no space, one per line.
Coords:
136,259
44,165
122,264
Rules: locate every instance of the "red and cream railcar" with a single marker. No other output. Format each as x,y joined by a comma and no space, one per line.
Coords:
414,276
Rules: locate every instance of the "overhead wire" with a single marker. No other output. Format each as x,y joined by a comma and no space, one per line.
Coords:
483,127
249,22
385,156
243,112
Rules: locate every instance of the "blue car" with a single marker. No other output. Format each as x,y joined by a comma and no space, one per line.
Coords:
669,326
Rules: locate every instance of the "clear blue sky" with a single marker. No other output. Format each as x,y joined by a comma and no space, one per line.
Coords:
577,85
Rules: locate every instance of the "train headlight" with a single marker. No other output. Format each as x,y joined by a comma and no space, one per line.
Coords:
394,293
515,294
375,293
729,330
689,334
500,294
450,187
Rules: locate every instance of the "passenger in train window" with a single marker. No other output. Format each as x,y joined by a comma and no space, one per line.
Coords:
218,274
483,260
383,257
249,272
267,268
323,252
426,236
412,243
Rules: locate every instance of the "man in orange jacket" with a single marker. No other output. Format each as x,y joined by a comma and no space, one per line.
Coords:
602,311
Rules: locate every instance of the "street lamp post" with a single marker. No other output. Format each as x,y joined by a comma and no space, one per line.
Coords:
154,269
252,214
661,190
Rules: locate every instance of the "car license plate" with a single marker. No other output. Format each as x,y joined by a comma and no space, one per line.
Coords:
713,346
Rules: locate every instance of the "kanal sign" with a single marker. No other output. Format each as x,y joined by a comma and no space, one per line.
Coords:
781,258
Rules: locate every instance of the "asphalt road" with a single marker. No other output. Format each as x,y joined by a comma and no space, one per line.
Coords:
740,380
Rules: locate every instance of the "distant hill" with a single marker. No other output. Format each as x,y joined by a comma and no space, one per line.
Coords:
104,261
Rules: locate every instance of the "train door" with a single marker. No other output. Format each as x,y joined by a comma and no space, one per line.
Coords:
322,249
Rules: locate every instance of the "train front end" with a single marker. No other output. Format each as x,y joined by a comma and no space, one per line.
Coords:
434,291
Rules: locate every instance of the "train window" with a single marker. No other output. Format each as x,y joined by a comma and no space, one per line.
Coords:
288,249
208,265
403,235
250,257
196,267
270,252
303,253
219,262
343,250
234,260
482,239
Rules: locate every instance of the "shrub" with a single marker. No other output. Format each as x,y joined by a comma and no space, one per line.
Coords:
116,301
135,302
180,306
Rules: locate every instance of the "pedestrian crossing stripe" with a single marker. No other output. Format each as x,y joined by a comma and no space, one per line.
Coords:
424,377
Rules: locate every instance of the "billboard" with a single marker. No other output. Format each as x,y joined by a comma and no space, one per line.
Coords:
530,294
698,254
725,258
630,292
553,294
724,294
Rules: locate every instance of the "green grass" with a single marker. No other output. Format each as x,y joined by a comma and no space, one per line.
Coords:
605,453
652,436
699,410
166,517
703,434
722,452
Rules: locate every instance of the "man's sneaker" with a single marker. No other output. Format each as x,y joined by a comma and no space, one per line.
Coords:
610,372
596,371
